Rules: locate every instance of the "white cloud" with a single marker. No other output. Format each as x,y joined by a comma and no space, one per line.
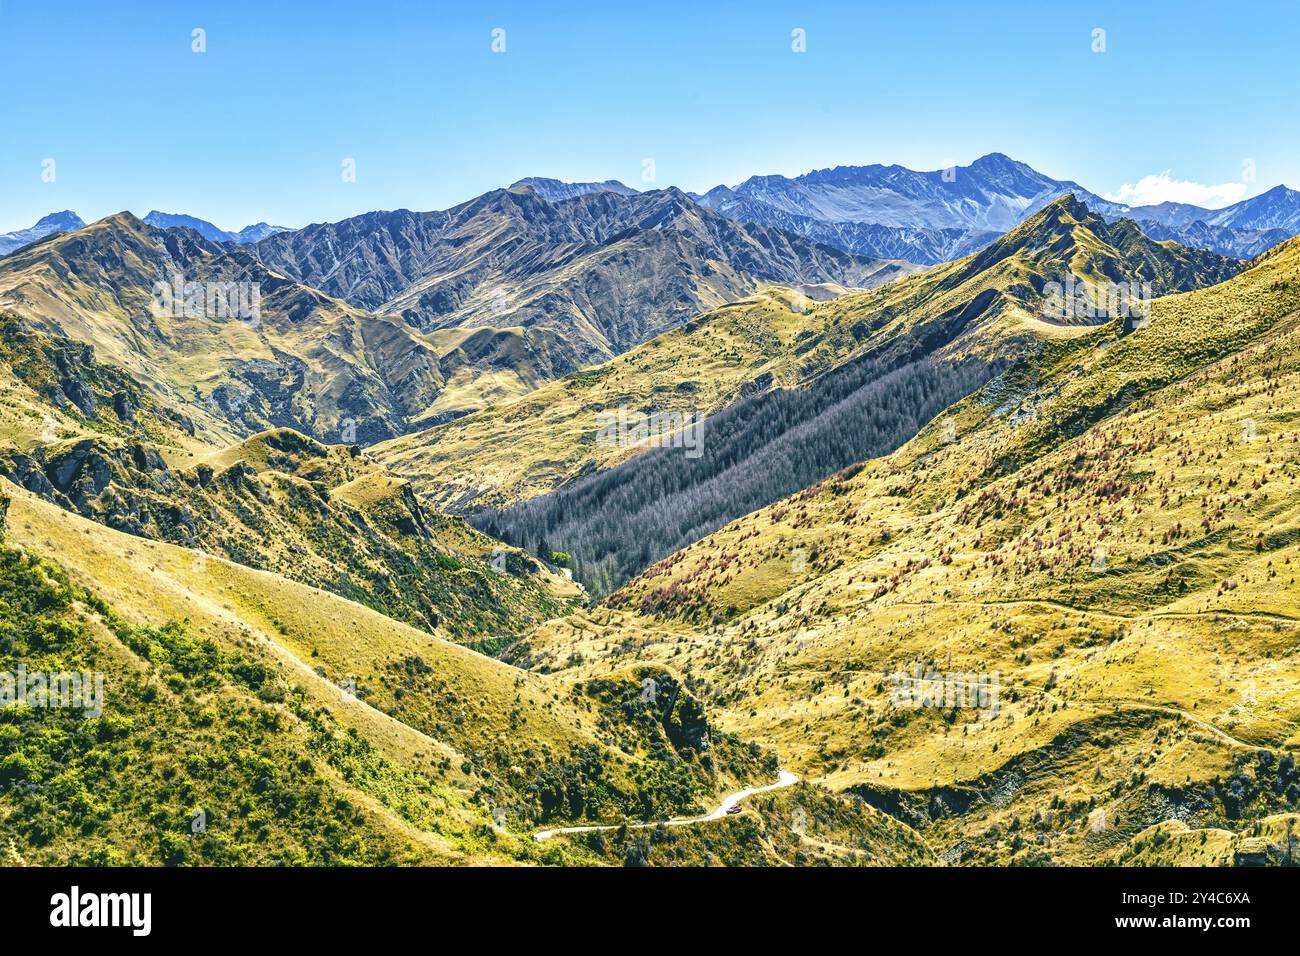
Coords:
1151,190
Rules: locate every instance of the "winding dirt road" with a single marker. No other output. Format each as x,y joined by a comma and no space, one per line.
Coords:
784,779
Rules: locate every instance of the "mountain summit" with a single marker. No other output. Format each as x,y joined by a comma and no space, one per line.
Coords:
167,220
555,189
924,217
65,221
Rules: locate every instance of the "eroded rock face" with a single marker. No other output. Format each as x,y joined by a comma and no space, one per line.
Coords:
127,486
27,473
124,408
79,465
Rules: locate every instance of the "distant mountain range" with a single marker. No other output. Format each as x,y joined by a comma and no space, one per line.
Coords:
67,221
995,193
932,217
1244,229
925,217
883,212
525,285
557,284
253,233
937,216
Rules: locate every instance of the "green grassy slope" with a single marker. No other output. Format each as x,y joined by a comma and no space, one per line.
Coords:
309,729
89,437
323,515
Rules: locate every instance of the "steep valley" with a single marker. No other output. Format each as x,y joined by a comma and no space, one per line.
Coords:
1101,537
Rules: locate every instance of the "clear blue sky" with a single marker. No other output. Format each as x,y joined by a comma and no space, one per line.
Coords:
256,128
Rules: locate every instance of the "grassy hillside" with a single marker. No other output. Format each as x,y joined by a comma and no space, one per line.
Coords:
304,361
520,449
88,437
1108,528
890,362
322,515
218,679
1101,534
205,756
